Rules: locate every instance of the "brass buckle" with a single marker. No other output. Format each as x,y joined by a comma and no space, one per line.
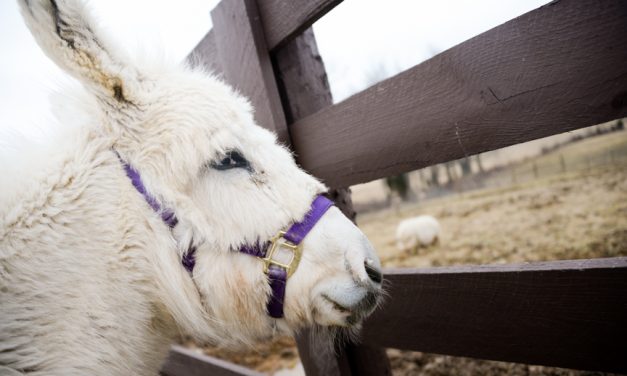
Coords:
279,243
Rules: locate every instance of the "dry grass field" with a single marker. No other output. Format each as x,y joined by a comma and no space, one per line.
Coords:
574,215
571,210
565,215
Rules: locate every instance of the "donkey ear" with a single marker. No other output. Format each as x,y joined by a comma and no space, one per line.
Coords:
65,31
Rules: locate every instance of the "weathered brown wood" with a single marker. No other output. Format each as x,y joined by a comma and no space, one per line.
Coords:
246,63
350,359
319,360
185,362
304,90
284,19
303,81
206,54
569,314
555,69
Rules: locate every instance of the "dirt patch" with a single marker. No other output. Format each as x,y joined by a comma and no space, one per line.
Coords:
415,363
268,357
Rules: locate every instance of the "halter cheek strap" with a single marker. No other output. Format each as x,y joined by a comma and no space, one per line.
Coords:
281,255
166,215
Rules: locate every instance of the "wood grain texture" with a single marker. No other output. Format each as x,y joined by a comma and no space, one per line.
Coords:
206,54
246,63
569,314
185,362
284,19
555,69
304,90
303,81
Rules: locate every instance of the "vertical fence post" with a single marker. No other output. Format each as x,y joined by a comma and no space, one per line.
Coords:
246,63
304,90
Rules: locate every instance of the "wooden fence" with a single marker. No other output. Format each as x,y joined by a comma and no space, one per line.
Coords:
558,68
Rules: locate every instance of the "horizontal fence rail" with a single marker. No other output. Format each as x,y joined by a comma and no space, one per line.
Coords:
282,20
552,70
238,49
185,362
569,314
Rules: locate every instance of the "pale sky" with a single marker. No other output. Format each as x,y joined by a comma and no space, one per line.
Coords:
359,40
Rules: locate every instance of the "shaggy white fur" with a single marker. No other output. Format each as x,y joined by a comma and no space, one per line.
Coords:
91,280
411,233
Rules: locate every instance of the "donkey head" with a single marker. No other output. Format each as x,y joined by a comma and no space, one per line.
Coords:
229,183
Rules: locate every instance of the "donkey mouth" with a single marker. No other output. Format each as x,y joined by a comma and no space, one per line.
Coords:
359,311
339,307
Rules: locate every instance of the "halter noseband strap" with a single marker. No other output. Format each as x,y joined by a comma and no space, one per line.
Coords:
281,255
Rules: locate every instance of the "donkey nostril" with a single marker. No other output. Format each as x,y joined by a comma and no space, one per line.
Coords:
374,273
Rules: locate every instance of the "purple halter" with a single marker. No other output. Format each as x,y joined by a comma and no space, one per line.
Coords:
280,255
283,256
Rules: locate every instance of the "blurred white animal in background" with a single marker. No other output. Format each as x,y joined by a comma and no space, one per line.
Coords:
412,233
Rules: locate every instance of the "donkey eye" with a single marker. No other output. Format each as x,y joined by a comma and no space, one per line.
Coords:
232,159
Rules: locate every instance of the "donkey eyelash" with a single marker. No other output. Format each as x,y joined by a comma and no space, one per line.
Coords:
232,159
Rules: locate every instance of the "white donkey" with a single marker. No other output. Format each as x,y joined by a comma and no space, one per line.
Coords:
138,223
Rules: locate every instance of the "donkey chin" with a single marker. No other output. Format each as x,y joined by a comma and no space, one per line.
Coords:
336,284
